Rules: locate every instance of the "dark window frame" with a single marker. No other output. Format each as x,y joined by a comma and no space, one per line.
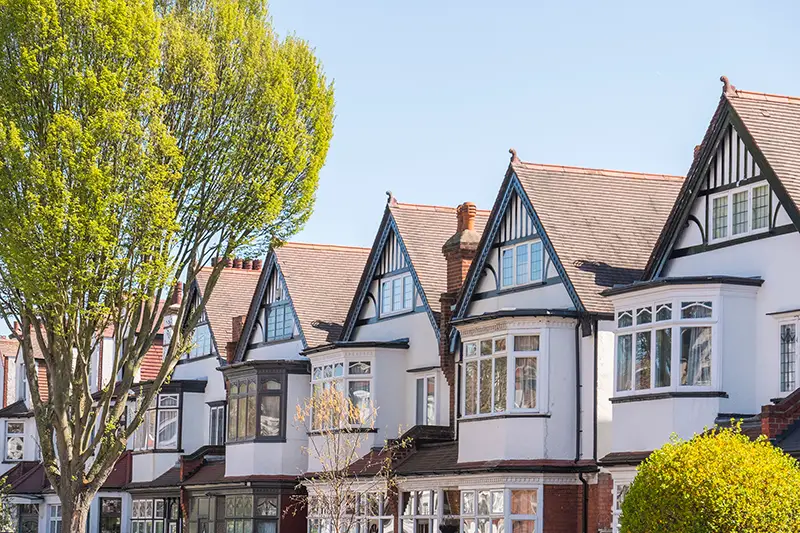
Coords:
259,378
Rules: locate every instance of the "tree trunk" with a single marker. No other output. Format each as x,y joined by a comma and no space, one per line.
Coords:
74,512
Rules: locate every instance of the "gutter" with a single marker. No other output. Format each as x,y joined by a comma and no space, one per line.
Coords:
579,426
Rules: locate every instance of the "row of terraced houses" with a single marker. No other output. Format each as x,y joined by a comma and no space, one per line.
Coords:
532,354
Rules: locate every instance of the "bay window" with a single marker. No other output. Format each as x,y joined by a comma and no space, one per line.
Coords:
245,513
493,374
646,353
207,515
522,264
397,294
159,428
255,408
369,512
739,212
353,379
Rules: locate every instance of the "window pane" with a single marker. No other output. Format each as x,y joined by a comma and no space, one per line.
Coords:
360,368
788,357
696,356
470,349
483,502
696,310
720,215
358,392
642,380
251,415
430,401
663,312
270,423
420,401
167,429
500,383
168,400
624,355
486,386
526,343
625,319
644,315
242,422
397,294
663,361
232,410
760,207
386,297
523,526
740,212
508,268
500,344
536,261
338,370
486,347
522,264
407,292
471,388
524,502
525,383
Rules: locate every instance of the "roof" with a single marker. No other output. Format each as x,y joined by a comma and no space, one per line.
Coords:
230,298
602,223
17,409
424,229
321,280
9,346
169,479
683,280
774,123
28,477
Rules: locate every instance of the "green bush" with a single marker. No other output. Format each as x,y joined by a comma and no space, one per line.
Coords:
717,482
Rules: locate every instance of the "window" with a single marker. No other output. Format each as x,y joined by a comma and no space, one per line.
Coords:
155,516
492,375
370,512
241,514
620,490
53,519
15,441
397,294
207,515
201,340
216,430
255,408
646,353
280,321
788,356
522,264
28,515
110,515
426,401
353,378
739,212
159,428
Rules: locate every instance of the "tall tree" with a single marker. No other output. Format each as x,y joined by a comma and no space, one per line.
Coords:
137,141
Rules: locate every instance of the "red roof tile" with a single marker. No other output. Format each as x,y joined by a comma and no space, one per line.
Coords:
230,298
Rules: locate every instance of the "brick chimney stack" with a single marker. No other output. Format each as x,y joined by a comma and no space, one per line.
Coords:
236,332
459,251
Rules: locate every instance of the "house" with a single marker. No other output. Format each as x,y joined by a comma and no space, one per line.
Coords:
709,332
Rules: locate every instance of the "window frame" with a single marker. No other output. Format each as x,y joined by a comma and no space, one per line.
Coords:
343,380
616,506
790,321
405,279
54,518
729,194
511,355
286,306
101,515
426,419
9,436
259,379
385,518
676,324
217,423
530,280
151,420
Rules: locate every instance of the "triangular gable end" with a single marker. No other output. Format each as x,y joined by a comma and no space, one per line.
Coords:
513,217
271,287
389,255
729,158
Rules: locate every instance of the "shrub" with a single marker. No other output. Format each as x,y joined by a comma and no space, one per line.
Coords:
720,482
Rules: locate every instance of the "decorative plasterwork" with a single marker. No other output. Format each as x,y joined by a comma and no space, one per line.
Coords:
513,324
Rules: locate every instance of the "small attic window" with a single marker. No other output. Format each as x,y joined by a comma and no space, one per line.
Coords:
280,321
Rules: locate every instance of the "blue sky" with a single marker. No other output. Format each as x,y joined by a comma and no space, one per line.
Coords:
430,95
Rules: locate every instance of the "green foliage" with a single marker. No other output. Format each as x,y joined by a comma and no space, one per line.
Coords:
720,481
137,141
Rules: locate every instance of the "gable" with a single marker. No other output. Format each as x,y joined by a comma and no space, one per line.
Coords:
532,281
275,318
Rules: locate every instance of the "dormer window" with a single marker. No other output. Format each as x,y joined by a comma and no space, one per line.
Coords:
522,264
646,353
739,212
397,294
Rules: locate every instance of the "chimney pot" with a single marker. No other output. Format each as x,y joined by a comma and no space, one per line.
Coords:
177,294
256,264
228,262
466,216
237,263
247,264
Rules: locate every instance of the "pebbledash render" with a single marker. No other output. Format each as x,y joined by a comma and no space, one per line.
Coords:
530,356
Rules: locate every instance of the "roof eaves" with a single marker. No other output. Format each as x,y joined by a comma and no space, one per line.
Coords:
683,280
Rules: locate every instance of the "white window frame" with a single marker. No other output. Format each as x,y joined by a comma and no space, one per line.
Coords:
729,223
795,321
343,380
216,424
10,435
152,422
385,519
528,277
676,324
405,279
510,355
426,420
54,518
616,508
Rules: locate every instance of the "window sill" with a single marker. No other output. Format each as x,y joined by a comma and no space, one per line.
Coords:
521,414
318,432
522,287
668,395
159,450
392,314
255,440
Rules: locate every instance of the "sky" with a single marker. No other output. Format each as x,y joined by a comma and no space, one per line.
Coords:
431,94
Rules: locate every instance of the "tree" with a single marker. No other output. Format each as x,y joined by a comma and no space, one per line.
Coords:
719,481
347,475
137,141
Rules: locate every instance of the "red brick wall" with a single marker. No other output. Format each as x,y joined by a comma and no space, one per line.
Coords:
601,500
563,507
